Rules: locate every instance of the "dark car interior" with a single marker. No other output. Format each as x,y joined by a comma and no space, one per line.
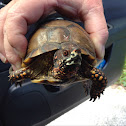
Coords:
37,104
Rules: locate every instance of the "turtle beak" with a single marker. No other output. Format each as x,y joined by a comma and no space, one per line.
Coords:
75,58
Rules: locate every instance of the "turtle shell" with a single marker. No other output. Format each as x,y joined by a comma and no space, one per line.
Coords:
50,36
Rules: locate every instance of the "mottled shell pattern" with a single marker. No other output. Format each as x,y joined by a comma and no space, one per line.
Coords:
50,35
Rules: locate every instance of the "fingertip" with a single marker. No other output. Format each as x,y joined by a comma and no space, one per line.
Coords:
99,48
16,66
13,58
100,51
3,58
99,39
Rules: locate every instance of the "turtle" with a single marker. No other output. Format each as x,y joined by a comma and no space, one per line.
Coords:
61,52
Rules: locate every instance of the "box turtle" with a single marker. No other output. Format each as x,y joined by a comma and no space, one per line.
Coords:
61,52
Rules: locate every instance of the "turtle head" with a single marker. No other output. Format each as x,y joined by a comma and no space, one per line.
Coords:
67,61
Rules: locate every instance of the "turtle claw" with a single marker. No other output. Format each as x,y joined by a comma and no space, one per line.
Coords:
95,94
18,83
102,92
98,96
11,81
92,99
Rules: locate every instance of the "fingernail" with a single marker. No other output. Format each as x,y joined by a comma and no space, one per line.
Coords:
16,66
3,59
100,49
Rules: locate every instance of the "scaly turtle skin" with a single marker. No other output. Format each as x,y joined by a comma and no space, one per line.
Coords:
59,52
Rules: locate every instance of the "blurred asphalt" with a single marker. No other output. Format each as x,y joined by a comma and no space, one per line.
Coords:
110,110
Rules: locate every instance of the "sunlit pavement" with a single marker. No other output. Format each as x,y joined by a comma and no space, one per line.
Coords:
109,110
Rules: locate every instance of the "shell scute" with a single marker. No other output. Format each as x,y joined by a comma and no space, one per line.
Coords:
50,35
82,38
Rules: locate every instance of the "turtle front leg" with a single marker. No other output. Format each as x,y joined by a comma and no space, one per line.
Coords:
99,83
19,75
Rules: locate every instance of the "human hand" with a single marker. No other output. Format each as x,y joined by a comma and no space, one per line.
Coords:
19,14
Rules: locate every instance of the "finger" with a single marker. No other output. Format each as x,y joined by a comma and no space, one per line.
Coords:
19,16
9,54
15,47
3,13
95,24
91,13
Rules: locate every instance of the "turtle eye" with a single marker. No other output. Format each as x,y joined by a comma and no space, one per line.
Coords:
65,53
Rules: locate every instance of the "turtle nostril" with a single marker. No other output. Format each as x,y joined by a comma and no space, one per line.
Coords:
78,51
